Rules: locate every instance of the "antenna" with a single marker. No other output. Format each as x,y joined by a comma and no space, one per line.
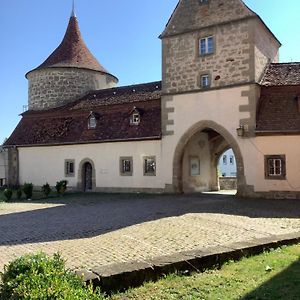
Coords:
73,14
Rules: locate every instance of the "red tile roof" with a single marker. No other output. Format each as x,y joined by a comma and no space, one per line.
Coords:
73,52
278,110
69,124
282,74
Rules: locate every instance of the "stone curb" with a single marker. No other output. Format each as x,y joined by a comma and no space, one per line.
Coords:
121,276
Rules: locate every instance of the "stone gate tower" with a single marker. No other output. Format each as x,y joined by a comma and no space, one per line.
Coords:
68,73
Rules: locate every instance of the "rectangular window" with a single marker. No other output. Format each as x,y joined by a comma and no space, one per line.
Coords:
224,159
205,82
150,166
69,167
126,166
194,166
135,119
206,45
275,167
231,159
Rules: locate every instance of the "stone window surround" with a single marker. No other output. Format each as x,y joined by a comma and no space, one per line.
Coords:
199,79
203,2
145,158
201,37
126,173
281,176
68,162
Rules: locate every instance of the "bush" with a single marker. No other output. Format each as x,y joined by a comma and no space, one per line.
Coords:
36,277
61,186
28,189
19,194
8,194
46,189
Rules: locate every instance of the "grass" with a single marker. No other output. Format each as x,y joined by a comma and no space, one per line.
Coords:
269,276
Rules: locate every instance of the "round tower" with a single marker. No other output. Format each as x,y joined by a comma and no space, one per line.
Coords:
68,73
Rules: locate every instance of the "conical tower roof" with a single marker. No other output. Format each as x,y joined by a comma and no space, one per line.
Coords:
73,52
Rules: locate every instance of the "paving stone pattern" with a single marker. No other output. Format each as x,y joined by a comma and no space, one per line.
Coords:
99,230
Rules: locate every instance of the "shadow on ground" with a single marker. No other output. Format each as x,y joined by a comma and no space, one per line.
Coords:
88,215
285,285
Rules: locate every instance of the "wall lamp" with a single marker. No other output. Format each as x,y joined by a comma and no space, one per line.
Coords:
241,130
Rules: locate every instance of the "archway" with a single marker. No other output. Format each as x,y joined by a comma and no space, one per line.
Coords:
87,176
196,158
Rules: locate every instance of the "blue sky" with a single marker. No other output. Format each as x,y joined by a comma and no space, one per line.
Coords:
123,35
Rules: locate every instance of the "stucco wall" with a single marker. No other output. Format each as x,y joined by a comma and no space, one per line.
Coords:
3,163
272,145
54,87
46,164
197,147
266,48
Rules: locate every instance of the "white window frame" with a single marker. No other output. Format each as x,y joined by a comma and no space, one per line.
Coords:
275,167
135,118
205,81
92,124
68,171
208,49
124,172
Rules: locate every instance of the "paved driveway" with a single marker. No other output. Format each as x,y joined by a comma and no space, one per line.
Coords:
96,230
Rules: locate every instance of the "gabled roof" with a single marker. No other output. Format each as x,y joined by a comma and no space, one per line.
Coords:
69,124
190,15
282,74
72,52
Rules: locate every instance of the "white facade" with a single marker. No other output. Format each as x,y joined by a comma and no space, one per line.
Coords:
227,165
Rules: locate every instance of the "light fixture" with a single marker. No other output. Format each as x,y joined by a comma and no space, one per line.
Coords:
240,131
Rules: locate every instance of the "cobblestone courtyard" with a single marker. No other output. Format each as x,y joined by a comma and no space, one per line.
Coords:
97,229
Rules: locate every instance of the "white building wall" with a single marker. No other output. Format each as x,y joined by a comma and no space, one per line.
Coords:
228,168
46,164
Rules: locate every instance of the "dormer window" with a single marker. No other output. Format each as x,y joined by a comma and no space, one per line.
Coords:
92,122
135,117
203,1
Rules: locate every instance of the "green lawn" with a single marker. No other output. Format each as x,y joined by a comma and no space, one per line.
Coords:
273,275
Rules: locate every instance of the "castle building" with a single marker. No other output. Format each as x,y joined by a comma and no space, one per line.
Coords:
222,88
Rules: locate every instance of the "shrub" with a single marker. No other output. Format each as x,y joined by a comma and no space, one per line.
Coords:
8,194
46,189
61,186
19,193
28,189
35,277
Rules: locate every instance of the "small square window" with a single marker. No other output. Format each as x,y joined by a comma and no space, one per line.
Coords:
126,166
205,81
69,167
150,166
275,167
206,45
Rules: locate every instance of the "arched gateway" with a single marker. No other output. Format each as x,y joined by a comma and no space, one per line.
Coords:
197,153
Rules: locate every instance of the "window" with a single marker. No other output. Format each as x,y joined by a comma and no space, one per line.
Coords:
92,121
231,159
194,166
150,166
224,159
206,45
275,167
204,81
135,119
203,1
69,167
126,166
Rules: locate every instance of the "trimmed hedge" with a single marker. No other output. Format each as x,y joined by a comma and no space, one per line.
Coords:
39,277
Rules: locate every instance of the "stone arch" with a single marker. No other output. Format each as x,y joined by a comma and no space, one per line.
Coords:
80,184
231,143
